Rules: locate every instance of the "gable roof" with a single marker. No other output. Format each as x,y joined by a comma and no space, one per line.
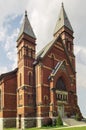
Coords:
62,21
26,28
43,52
56,68
46,49
8,73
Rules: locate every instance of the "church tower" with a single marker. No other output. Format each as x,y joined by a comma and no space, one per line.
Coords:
25,77
64,29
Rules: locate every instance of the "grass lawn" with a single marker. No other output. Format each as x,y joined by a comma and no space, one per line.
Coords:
51,128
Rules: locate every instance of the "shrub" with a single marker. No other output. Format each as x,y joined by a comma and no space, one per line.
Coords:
77,117
46,122
59,121
53,122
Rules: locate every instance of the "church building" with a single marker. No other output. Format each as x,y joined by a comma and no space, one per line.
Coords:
44,84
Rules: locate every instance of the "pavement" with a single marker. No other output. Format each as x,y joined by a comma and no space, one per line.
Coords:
73,122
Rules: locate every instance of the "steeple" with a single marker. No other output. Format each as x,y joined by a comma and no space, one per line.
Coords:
26,28
62,21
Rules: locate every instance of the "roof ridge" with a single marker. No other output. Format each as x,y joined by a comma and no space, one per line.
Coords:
10,72
42,50
46,48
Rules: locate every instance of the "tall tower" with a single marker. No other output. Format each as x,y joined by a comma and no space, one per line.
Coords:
65,30
25,78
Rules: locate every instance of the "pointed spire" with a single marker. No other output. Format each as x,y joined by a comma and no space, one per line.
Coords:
62,20
26,28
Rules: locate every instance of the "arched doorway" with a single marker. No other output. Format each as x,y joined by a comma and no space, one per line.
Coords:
62,95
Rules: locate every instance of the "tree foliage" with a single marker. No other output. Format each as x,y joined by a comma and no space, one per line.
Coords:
59,121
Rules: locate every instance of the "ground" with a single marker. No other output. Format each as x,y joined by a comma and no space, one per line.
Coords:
65,128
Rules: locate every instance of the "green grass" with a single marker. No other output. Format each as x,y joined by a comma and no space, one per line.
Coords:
52,128
74,128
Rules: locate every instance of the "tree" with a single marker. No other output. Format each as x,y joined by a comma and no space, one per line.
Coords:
59,121
77,117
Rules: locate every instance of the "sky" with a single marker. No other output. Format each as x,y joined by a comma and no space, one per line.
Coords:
43,15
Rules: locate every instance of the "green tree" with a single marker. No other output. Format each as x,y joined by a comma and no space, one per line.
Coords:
59,121
77,117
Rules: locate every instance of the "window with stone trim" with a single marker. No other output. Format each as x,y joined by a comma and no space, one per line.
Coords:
30,99
20,79
27,51
30,79
60,85
52,61
46,99
0,99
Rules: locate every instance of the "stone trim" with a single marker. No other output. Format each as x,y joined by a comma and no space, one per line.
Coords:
59,47
46,67
9,110
10,94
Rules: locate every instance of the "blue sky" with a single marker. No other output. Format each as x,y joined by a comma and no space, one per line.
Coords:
43,16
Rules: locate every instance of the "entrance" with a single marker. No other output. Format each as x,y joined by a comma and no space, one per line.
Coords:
19,121
61,110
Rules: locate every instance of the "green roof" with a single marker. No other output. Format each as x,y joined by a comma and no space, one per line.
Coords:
26,28
62,21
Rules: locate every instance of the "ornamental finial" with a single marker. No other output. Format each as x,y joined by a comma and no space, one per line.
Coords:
25,13
62,4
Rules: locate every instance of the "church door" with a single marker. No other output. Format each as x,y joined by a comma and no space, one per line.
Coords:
61,110
19,121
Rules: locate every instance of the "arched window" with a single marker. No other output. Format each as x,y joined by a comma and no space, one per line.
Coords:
20,79
0,99
67,45
46,99
30,79
31,53
26,51
52,61
60,85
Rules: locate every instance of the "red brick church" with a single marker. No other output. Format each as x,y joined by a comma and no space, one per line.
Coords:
43,84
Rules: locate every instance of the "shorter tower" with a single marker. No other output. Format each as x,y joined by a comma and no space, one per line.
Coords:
25,77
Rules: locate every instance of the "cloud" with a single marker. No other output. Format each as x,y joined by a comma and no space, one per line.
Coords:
81,56
2,34
81,74
11,40
10,48
3,69
81,66
9,7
